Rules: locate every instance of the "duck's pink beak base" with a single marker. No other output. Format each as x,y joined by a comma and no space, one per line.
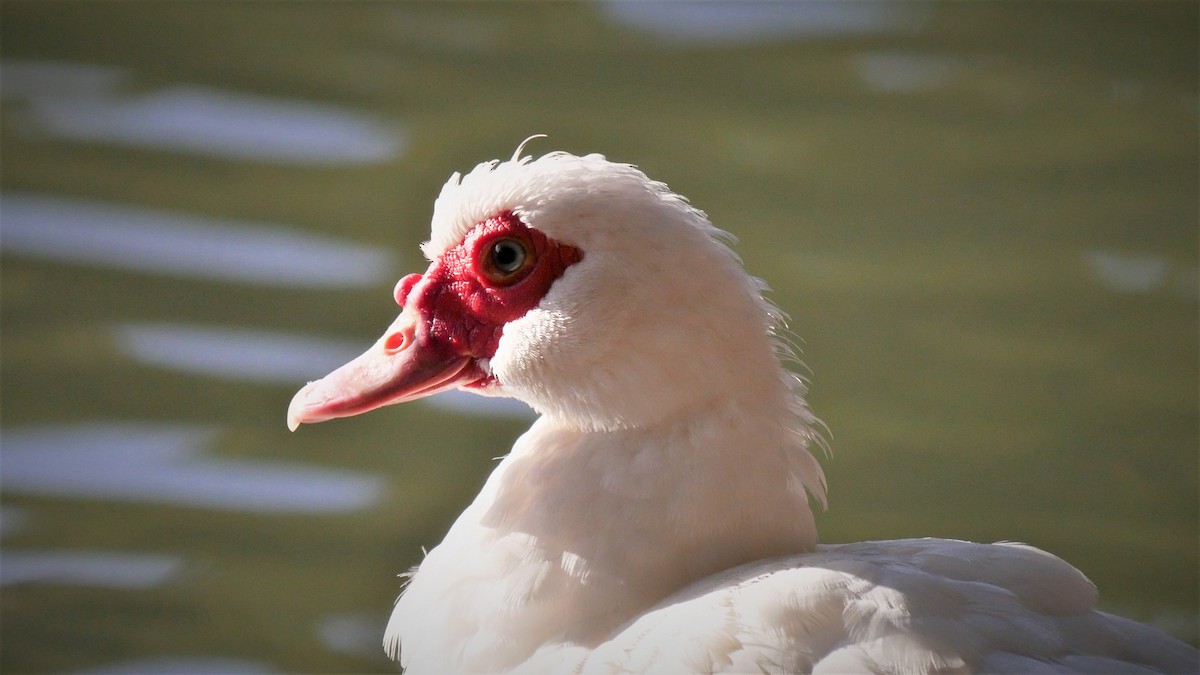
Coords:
405,364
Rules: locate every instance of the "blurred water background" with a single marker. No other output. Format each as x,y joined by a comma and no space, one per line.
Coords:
982,218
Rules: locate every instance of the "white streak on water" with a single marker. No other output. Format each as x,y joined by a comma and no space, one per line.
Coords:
899,72
741,21
108,569
166,464
205,121
1127,273
84,102
234,353
182,665
353,634
180,245
272,357
1143,274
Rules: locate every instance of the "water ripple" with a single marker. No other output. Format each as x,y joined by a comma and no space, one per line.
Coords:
182,665
84,102
180,245
1142,273
740,22
167,464
109,569
234,353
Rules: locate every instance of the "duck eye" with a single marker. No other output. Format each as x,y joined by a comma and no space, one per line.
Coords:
505,261
507,255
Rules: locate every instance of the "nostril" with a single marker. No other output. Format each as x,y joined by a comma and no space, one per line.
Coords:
395,342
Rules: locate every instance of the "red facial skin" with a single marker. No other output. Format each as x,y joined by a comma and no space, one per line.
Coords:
453,317
466,311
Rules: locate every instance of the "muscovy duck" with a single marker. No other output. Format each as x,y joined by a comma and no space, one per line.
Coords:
656,517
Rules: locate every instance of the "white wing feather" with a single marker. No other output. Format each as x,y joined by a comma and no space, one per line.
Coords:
907,606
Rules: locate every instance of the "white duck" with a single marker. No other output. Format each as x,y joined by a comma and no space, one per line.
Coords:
656,517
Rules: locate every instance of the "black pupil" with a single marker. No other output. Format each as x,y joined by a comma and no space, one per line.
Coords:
508,256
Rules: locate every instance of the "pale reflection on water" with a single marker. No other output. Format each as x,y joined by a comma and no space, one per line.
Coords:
168,464
356,634
180,245
1141,273
182,665
84,102
227,352
902,72
735,22
109,569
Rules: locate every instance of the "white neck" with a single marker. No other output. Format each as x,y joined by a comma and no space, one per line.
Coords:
577,532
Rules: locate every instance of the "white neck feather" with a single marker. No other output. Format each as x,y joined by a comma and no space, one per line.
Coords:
576,532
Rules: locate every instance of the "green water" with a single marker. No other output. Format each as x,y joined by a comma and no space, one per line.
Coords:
983,223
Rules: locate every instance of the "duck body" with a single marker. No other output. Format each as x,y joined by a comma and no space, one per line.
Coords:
657,516
514,588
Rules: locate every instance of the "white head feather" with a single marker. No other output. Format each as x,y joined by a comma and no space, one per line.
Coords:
657,317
